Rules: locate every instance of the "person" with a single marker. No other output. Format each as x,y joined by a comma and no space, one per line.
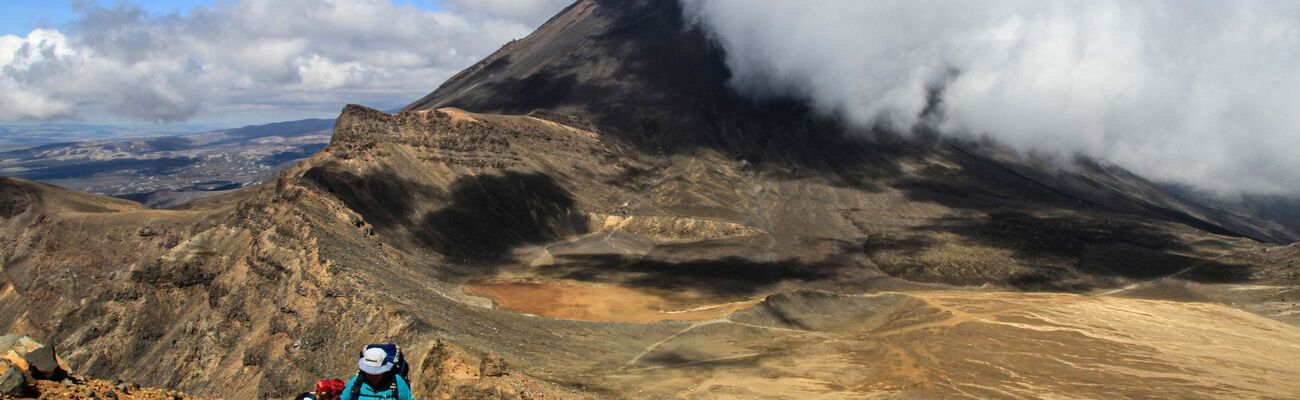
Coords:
375,379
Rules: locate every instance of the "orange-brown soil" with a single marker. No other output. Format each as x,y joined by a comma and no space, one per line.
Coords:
598,302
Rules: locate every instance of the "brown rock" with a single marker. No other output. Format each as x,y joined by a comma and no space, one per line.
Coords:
492,365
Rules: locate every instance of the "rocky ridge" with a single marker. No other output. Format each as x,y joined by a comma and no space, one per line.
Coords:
245,272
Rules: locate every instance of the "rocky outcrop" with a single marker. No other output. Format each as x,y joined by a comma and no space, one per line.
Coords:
667,227
30,370
25,362
447,136
451,372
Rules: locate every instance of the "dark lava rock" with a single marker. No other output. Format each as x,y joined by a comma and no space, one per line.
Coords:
44,365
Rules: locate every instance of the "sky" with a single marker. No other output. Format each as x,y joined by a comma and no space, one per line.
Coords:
22,16
236,62
1200,92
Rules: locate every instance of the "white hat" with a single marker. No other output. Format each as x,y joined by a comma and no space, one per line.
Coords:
372,362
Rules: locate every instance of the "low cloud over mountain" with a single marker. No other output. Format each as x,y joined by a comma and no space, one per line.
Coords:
1199,92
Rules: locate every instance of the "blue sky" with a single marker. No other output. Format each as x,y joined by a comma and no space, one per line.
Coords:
21,16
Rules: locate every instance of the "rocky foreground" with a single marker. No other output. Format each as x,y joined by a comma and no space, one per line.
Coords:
31,370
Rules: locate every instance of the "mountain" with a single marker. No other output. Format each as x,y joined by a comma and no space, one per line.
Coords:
167,171
647,77
593,205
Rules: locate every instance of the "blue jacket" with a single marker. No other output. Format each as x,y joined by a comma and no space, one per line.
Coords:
402,392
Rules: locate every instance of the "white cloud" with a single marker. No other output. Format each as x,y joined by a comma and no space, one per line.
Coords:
319,73
18,103
19,55
1202,92
312,55
531,12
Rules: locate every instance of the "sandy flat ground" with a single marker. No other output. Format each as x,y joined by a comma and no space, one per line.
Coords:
934,344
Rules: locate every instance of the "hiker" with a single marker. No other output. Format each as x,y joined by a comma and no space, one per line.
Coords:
379,376
326,389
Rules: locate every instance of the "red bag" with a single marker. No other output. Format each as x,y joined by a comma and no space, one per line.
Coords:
329,389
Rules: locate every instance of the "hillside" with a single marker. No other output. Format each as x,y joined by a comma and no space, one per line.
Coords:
595,207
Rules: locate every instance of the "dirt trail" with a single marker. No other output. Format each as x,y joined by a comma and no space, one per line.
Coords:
1139,284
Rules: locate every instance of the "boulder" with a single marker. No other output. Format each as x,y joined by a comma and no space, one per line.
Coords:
43,364
492,365
20,344
12,381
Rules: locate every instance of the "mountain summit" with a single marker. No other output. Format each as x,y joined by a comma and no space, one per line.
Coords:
596,207
644,74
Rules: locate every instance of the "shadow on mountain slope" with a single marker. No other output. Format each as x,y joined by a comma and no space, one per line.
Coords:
386,198
1069,252
727,276
491,214
476,220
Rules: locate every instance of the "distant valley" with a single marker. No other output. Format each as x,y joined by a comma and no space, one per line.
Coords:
170,170
28,135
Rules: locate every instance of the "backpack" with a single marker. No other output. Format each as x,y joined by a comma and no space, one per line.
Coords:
328,389
357,381
400,367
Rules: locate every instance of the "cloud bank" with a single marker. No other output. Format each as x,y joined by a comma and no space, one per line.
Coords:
1201,92
243,57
